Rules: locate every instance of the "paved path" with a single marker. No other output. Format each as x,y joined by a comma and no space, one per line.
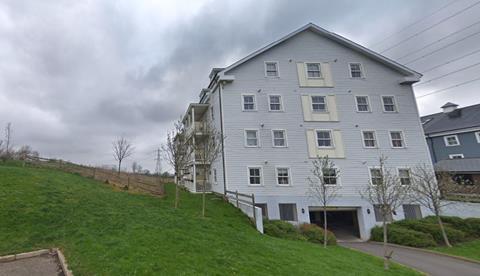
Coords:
44,265
430,263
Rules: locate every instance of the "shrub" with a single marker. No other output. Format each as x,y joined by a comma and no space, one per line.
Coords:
425,226
313,233
474,225
470,226
403,236
282,229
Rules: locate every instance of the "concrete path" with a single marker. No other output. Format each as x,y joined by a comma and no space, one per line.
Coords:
430,263
44,265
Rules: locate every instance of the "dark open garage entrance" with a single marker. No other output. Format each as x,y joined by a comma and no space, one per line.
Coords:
342,222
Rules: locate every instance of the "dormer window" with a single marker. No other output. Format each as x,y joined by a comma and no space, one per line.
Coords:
271,69
313,70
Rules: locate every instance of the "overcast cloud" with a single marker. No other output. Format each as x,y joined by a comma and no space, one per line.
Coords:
75,74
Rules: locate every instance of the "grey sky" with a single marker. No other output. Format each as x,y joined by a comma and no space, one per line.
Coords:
75,74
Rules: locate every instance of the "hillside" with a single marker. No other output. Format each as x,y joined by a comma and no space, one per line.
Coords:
108,232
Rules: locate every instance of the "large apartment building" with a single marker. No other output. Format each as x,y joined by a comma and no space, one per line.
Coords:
311,93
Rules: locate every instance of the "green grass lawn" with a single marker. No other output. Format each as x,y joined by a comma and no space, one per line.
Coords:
107,232
469,250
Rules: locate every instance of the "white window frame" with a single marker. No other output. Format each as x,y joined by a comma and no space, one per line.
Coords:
254,103
368,104
289,176
337,176
374,137
452,156
324,102
284,137
404,143
445,139
477,135
319,70
409,174
281,103
277,67
395,105
362,71
370,174
261,176
331,139
258,137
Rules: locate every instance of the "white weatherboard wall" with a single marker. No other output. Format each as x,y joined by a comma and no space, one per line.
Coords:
380,80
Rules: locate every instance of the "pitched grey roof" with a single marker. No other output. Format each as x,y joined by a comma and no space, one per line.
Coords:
440,122
459,165
339,39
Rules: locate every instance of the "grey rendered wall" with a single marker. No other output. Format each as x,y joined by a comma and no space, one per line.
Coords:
469,147
307,46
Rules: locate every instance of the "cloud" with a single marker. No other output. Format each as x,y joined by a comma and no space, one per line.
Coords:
76,74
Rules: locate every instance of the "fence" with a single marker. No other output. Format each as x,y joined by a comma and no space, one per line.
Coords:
246,203
128,181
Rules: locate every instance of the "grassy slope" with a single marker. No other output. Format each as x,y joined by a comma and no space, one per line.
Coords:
108,232
467,249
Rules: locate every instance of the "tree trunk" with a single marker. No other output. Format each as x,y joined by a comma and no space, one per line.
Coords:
176,192
204,189
385,248
442,228
119,166
325,236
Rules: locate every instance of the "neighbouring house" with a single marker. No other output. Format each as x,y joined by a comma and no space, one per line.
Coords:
453,137
311,93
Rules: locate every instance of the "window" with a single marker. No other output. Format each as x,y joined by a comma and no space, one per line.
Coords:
271,69
404,176
254,176
215,176
249,102
356,70
412,211
313,70
330,176
376,176
389,104
396,138
279,138
283,176
288,211
456,156
212,113
251,138
477,135
369,139
275,102
319,104
264,208
451,141
324,139
363,104
377,208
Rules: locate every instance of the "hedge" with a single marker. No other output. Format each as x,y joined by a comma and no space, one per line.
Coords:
314,233
425,226
282,229
403,236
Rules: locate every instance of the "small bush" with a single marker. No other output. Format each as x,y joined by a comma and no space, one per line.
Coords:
314,233
282,229
403,236
470,226
474,225
425,226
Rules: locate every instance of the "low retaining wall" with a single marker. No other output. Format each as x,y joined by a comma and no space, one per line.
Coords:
461,209
247,209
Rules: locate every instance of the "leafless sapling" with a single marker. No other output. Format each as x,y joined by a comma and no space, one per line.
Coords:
385,191
428,188
323,186
122,149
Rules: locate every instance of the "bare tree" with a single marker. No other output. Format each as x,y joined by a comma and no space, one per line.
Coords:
122,149
428,187
177,152
208,148
8,139
323,186
386,192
